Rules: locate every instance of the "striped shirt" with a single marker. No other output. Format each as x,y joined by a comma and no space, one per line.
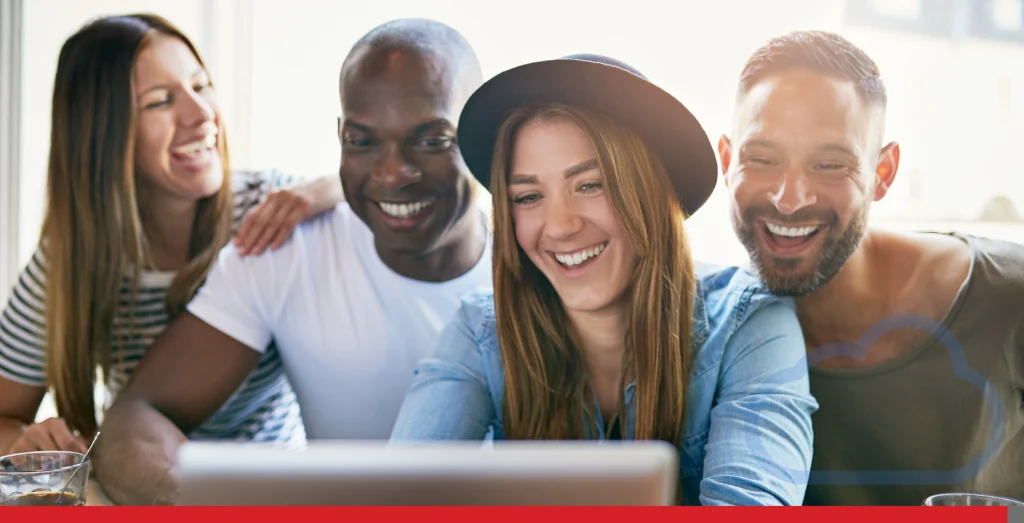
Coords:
263,409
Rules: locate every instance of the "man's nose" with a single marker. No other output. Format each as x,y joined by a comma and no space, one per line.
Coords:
394,170
792,192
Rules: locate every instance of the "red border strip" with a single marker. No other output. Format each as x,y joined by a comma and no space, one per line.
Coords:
513,514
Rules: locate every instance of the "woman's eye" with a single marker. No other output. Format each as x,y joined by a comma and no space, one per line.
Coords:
525,199
158,103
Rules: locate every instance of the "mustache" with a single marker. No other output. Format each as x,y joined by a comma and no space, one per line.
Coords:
807,214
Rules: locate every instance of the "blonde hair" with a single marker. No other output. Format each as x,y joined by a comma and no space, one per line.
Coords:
544,374
93,235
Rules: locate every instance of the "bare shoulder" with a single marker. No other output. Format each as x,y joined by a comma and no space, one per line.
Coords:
934,268
931,251
945,250
945,261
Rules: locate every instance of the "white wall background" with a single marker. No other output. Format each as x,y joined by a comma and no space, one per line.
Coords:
276,64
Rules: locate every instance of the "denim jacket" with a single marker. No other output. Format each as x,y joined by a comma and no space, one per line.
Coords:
747,437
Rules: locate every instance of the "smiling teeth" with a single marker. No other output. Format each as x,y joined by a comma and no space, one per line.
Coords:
404,210
577,258
792,232
206,143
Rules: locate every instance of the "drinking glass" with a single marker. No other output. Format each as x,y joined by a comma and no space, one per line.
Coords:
36,479
959,499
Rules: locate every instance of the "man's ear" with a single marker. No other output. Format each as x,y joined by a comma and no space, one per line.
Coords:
885,170
725,156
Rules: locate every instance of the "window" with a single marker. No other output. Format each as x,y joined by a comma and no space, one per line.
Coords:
996,20
933,17
10,137
1008,15
903,9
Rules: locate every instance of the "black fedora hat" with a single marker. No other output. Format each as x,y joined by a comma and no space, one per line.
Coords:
601,84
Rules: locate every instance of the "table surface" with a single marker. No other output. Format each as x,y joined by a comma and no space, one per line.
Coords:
95,496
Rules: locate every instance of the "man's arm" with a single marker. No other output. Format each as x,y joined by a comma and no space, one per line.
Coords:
187,374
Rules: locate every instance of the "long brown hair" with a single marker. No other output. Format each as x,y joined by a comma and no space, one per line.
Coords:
544,375
93,236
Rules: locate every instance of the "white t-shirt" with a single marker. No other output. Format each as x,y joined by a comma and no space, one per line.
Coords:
348,328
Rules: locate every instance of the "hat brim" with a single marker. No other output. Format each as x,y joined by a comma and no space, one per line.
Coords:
664,123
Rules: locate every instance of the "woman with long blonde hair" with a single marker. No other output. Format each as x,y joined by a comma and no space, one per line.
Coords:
598,326
140,201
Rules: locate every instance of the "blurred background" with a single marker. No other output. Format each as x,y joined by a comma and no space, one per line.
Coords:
954,70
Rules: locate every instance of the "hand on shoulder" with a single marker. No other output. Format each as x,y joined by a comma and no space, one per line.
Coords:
273,221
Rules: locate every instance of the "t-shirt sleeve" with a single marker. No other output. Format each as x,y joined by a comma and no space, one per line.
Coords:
23,327
241,297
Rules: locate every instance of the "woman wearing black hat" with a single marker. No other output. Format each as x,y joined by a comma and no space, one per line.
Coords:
598,326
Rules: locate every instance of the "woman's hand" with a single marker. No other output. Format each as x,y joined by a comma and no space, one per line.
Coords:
272,222
52,434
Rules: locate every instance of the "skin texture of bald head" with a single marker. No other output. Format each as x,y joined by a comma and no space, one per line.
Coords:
403,86
437,46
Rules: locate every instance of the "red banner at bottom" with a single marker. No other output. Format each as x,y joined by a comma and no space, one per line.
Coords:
513,514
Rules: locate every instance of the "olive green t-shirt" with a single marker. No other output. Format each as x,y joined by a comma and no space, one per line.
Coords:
946,417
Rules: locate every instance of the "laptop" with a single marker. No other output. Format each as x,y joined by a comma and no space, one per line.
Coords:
378,473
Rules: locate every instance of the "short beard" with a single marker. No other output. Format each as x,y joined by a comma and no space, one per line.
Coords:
776,273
